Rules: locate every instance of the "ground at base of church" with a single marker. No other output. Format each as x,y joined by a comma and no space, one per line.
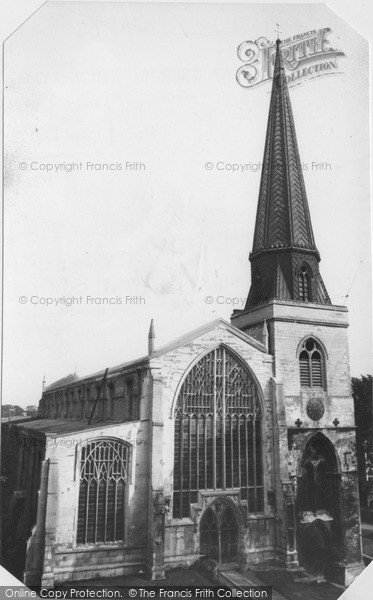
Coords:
289,587
284,586
367,533
174,577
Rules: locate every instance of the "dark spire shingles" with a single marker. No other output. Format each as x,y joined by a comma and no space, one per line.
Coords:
283,237
283,218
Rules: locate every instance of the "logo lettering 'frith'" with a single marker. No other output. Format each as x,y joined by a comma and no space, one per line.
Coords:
305,55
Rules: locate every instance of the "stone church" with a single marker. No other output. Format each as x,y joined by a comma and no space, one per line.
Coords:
235,442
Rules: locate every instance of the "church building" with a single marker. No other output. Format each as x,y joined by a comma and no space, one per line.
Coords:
235,442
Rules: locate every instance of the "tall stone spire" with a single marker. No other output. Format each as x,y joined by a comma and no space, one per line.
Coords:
284,257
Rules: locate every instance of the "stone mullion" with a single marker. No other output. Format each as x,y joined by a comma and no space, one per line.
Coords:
214,428
247,461
205,446
232,446
97,460
224,411
181,454
254,466
197,450
106,508
86,511
115,508
190,457
239,450
310,369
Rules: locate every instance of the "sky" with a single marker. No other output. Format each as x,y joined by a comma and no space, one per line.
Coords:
154,87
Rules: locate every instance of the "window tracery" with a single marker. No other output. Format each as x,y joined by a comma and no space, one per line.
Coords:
217,432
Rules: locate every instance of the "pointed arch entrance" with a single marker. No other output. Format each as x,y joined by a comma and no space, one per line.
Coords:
219,533
319,539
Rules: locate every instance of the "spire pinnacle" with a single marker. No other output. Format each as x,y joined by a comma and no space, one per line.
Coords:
151,338
265,334
278,33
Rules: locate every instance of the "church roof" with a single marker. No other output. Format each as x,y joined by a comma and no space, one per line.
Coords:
57,427
138,363
68,380
184,339
283,218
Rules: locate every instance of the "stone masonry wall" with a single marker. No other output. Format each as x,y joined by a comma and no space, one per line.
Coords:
182,542
286,338
64,559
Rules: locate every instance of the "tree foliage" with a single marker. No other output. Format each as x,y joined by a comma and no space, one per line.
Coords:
362,393
11,410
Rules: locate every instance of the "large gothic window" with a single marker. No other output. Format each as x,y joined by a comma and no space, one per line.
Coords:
304,284
217,433
311,365
103,477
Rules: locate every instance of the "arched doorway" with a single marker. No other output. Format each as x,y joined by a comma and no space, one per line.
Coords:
319,540
219,533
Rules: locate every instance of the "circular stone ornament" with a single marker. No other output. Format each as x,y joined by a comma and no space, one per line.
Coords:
315,409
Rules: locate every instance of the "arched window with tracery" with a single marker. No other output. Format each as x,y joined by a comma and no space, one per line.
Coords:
219,533
312,364
304,284
102,492
218,438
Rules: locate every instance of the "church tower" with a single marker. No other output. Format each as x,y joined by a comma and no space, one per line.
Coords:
288,309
